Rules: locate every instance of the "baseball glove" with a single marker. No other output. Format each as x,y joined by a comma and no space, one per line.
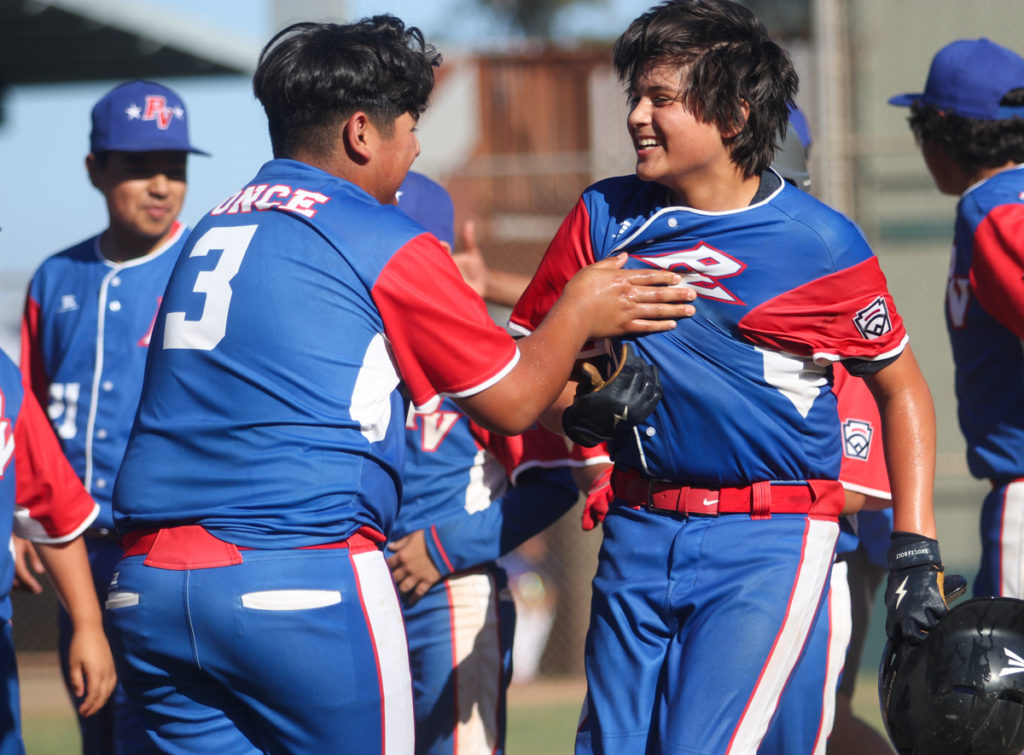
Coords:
605,406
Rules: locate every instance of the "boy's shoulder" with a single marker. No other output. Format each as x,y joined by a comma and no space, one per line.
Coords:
1004,188
84,252
815,216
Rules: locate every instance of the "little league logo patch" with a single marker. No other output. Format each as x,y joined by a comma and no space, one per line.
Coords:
857,439
873,321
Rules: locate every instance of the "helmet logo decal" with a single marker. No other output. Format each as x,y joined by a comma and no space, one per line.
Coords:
1016,663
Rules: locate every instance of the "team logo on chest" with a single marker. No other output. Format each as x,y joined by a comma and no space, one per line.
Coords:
873,321
702,268
857,439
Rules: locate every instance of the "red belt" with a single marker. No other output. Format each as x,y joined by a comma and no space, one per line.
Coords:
821,499
191,546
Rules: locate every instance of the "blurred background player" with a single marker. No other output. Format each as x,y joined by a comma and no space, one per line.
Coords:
44,502
731,485
468,497
87,324
458,514
263,473
969,124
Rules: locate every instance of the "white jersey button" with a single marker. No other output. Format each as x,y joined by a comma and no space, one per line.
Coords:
108,385
115,306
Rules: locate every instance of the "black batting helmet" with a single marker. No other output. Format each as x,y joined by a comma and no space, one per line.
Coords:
961,690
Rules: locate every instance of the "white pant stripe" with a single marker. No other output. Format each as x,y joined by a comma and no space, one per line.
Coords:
840,629
1011,543
819,543
478,658
384,615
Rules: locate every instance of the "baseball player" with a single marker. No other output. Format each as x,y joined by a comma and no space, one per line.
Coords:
88,319
718,545
468,497
969,123
44,502
253,609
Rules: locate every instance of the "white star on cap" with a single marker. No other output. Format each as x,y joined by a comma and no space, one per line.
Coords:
134,112
179,112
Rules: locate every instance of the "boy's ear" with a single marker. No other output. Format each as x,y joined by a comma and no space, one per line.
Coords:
357,137
732,132
93,168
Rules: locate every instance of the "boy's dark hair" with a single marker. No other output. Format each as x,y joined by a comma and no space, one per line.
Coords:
313,76
726,58
972,143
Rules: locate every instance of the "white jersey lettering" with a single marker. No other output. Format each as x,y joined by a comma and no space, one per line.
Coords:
206,332
706,266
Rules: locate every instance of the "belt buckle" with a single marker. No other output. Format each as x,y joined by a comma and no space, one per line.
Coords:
679,509
650,498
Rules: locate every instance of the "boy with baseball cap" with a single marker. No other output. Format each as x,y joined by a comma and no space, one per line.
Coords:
719,541
969,124
87,320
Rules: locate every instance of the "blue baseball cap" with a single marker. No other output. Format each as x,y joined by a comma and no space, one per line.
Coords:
140,116
799,123
969,78
790,160
429,204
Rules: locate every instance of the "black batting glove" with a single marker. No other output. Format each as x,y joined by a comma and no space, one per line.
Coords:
605,406
914,596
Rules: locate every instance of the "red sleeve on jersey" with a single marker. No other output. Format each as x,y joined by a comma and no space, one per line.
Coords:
535,447
846,314
569,251
52,505
33,373
997,265
863,465
440,333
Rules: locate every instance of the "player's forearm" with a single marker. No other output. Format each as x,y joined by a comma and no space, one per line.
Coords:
600,301
67,566
908,432
546,358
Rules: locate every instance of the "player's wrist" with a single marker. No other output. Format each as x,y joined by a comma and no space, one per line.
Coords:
909,549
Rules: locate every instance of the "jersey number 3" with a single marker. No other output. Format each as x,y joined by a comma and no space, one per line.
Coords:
206,332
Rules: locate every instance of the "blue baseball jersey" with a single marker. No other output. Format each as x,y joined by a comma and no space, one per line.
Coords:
479,494
85,336
786,288
985,319
271,411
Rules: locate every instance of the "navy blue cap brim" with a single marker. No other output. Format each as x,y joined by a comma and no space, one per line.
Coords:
906,100
191,150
